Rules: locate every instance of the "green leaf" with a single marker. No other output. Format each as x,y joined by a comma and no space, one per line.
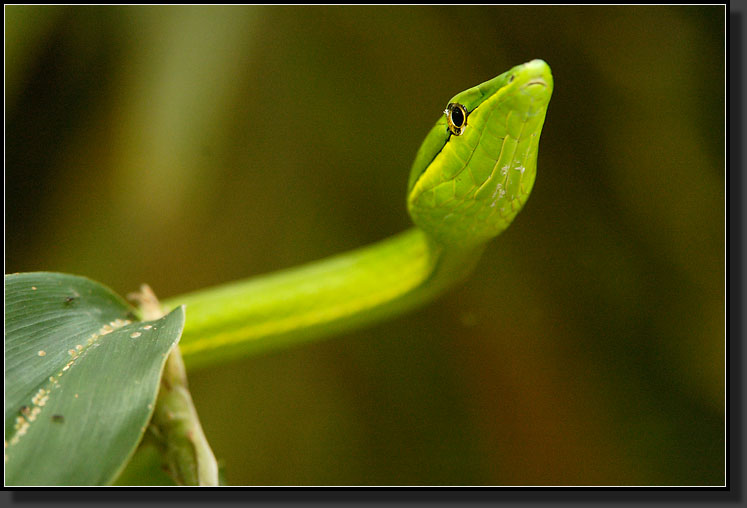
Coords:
81,378
145,468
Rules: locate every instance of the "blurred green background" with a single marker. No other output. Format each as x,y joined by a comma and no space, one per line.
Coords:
190,146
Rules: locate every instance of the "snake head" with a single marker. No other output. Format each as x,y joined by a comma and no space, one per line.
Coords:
477,166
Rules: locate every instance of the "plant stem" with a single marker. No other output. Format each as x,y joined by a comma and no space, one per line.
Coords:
175,425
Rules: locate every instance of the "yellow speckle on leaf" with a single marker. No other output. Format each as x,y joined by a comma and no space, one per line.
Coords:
135,335
38,396
79,347
147,327
33,288
42,353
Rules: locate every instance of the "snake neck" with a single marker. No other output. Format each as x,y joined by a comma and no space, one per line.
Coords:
322,298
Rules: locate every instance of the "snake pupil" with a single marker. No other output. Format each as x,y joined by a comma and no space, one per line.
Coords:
457,117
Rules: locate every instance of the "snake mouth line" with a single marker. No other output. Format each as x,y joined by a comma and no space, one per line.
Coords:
533,82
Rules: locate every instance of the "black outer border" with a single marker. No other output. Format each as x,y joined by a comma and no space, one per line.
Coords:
733,493
735,352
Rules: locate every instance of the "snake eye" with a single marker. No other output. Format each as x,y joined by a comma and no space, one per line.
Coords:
456,118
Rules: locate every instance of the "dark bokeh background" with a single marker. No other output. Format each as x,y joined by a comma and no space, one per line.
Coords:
189,146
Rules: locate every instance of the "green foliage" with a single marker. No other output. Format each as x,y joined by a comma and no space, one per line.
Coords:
81,378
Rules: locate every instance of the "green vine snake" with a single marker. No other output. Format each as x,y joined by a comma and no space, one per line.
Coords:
471,176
